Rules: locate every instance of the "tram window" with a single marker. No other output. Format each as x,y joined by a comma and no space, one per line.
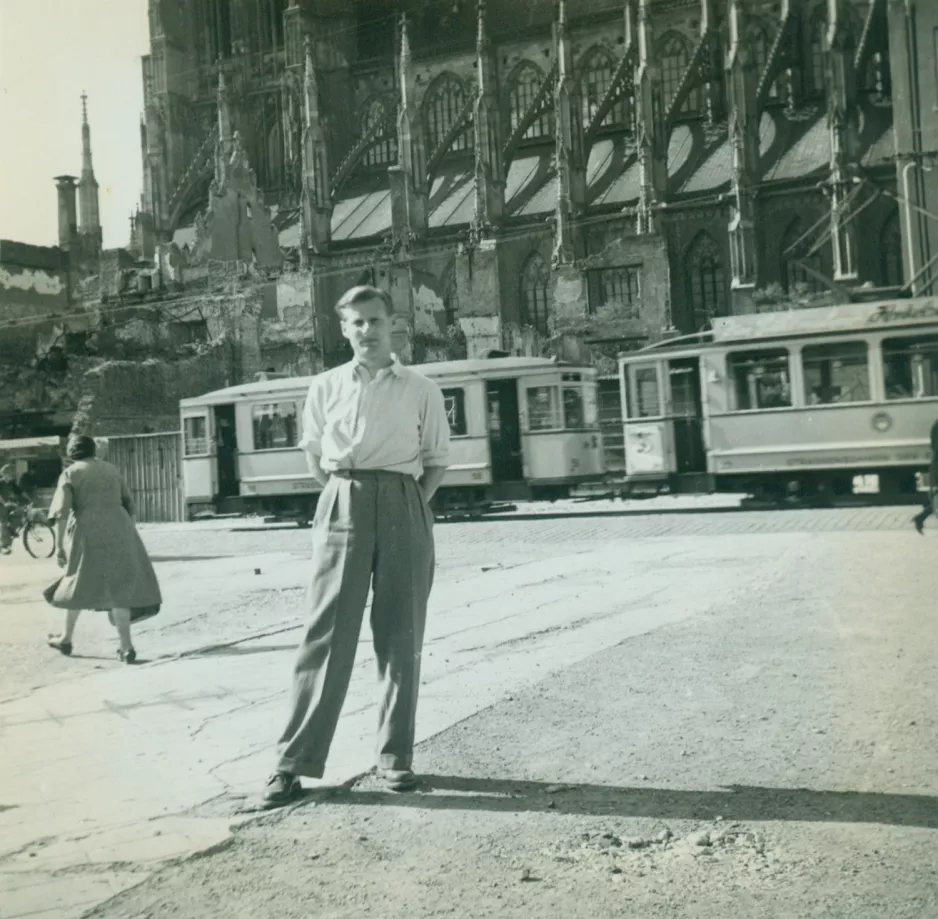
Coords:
573,414
648,402
760,379
195,436
910,366
544,408
836,373
275,426
455,402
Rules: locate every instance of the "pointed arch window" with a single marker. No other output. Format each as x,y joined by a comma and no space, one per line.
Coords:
596,77
442,106
795,255
817,45
265,144
890,248
535,294
384,151
522,88
275,159
674,56
707,280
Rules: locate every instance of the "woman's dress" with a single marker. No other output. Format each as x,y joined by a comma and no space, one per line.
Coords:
108,566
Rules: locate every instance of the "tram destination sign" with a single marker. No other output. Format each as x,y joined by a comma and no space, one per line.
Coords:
848,317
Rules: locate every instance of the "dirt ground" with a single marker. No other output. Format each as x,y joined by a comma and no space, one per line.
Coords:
773,758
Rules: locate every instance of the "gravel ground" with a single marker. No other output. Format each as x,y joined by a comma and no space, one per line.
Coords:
772,758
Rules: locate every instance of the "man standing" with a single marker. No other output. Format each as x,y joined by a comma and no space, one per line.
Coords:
929,508
376,437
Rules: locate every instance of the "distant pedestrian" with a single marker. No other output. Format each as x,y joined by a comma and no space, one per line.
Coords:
919,519
12,499
377,439
106,565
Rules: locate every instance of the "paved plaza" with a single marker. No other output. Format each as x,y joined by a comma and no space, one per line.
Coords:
603,649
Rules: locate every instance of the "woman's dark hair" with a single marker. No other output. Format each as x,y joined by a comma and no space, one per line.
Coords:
80,447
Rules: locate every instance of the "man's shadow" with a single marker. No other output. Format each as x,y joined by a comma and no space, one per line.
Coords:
732,803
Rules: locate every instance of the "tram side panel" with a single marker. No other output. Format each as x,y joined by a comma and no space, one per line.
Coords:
199,472
274,475
765,430
469,473
561,442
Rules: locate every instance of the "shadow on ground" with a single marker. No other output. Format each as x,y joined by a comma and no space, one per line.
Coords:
733,803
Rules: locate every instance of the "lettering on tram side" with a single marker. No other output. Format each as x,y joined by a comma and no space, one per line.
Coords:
919,457
839,460
889,313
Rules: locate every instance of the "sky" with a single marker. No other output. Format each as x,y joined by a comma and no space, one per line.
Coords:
51,50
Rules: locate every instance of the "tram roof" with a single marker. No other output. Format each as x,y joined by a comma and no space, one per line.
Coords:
843,319
273,387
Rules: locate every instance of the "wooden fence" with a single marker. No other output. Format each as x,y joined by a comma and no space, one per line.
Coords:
152,467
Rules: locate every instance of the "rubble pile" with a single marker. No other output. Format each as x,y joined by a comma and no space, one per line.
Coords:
624,854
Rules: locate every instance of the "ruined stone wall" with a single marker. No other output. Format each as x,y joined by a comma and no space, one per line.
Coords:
238,228
612,245
478,285
129,397
34,286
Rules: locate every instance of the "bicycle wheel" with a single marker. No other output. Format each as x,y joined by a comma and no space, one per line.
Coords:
39,539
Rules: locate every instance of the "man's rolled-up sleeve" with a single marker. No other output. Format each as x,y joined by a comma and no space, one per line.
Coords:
314,421
434,434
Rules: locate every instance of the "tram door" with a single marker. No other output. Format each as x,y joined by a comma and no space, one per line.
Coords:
226,451
504,430
687,415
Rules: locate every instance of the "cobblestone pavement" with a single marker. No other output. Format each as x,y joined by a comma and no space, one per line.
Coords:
202,610
116,770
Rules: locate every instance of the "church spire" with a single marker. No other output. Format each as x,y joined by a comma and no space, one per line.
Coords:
224,112
489,184
317,198
571,172
409,196
309,83
89,222
408,82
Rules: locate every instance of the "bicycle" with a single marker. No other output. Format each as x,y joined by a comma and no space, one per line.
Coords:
37,533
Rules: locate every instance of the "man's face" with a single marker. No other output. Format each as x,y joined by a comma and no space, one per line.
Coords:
367,326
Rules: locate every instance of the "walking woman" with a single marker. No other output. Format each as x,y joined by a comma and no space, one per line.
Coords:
106,565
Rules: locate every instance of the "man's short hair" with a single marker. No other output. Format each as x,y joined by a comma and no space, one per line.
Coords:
361,293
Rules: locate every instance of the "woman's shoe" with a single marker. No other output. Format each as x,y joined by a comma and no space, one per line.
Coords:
919,525
128,656
65,647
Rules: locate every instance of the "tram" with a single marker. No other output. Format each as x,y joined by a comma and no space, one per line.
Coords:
522,428
777,404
